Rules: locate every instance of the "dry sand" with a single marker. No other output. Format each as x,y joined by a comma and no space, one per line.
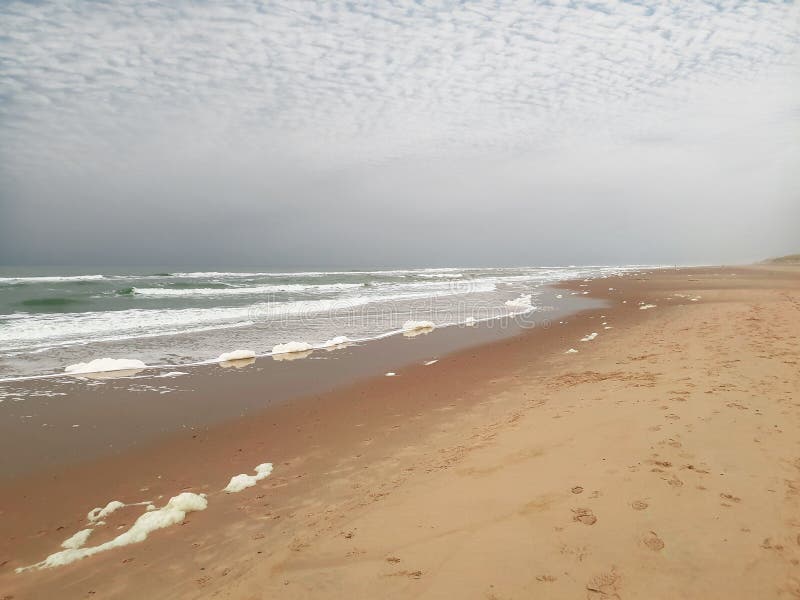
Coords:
660,461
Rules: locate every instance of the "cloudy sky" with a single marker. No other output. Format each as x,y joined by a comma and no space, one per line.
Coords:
324,133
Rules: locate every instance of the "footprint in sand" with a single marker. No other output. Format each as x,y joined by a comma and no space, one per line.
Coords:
653,542
409,574
639,505
584,515
577,489
607,585
730,497
674,481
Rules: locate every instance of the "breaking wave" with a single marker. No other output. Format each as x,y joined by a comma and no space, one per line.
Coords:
243,291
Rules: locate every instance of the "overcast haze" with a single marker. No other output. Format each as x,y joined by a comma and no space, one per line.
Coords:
338,134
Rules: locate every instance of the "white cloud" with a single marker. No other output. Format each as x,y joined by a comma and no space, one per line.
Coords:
564,104
376,80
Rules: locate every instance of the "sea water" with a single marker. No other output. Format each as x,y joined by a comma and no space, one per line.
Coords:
51,319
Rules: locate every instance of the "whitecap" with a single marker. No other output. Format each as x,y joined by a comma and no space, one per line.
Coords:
244,291
51,279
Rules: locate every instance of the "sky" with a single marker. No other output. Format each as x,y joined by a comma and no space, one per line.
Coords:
388,134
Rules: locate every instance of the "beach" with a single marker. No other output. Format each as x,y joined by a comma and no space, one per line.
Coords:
661,459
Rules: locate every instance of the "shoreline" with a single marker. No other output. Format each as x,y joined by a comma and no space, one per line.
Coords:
368,423
417,294
157,404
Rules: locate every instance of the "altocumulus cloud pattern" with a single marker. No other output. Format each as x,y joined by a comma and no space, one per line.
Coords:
376,80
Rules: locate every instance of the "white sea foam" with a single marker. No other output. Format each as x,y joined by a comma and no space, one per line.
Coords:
415,325
103,365
589,337
236,355
521,303
100,513
78,540
243,481
290,356
415,328
647,306
571,351
171,513
339,340
291,348
391,374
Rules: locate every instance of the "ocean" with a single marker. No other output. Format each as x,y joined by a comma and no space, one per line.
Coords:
51,318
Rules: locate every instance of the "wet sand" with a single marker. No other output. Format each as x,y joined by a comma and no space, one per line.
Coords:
662,460
116,415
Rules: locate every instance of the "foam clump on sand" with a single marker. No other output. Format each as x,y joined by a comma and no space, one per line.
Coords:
523,302
236,355
646,306
171,513
100,513
415,328
571,351
470,321
292,347
244,481
339,340
589,337
417,325
78,540
104,365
